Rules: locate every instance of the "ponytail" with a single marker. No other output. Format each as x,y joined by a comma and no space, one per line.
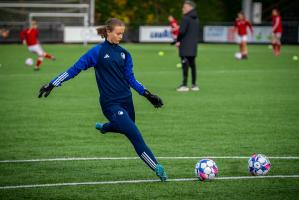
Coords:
102,31
109,26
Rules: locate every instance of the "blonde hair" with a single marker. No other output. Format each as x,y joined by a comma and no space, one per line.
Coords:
109,26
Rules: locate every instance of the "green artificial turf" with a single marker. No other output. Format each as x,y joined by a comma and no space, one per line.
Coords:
242,107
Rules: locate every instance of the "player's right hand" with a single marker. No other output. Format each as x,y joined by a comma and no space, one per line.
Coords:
45,90
154,99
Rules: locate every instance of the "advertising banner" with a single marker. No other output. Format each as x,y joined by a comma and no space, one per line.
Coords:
226,34
155,34
81,34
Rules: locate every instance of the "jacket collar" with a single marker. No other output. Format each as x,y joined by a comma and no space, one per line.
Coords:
110,44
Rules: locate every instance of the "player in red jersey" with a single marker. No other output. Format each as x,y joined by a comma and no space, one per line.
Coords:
241,25
174,28
276,31
29,37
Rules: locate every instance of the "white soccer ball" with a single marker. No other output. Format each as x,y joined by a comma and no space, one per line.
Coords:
29,61
206,169
258,165
238,55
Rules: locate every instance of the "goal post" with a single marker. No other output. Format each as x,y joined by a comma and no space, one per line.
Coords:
79,15
88,8
43,5
66,13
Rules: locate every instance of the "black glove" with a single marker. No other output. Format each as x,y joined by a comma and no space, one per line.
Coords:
154,99
45,89
173,42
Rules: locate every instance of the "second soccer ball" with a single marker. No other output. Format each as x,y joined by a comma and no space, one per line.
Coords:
258,165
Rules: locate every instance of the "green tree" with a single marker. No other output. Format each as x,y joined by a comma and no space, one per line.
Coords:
137,12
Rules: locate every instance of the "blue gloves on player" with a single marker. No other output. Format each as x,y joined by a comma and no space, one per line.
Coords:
154,99
45,89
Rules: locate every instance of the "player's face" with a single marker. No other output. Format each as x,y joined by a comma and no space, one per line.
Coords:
116,35
240,17
34,24
274,12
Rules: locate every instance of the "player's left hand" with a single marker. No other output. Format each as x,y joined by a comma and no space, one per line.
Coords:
154,99
45,89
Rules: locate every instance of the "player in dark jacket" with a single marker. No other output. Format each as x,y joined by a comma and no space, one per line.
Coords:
114,75
187,44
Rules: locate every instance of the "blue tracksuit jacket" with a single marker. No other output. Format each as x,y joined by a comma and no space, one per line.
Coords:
113,69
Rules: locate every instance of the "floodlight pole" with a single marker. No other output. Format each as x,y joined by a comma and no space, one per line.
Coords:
91,12
246,7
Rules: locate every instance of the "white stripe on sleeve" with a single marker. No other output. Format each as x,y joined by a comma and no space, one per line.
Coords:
60,79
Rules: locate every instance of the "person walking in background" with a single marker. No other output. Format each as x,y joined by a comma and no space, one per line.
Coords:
113,67
241,25
29,37
276,31
187,43
174,28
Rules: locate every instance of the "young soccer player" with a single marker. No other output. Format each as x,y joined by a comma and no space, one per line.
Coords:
29,37
241,25
113,67
174,28
276,31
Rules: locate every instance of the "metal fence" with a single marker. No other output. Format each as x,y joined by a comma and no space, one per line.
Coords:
290,30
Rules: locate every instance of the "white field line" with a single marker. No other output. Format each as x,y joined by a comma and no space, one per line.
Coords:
140,181
134,158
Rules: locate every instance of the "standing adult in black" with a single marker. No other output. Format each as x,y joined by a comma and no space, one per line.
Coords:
187,44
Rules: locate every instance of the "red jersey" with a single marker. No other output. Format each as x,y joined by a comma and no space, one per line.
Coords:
30,35
242,25
276,24
174,28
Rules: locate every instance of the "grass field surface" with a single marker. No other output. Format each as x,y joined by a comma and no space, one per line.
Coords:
242,107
